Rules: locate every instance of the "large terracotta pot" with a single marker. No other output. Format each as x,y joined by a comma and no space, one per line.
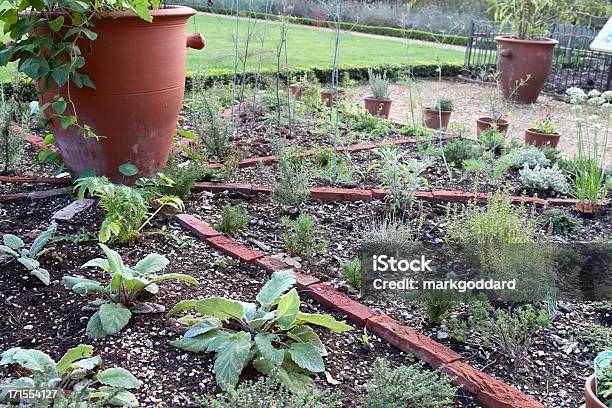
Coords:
539,139
433,118
518,60
138,69
326,96
589,394
297,90
378,107
485,123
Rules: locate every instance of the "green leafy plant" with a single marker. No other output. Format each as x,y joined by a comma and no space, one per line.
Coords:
13,114
362,122
379,84
109,386
474,167
213,131
444,104
412,386
386,234
509,332
545,126
351,270
544,178
304,237
184,177
457,151
272,334
604,386
292,186
44,37
597,338
13,248
560,222
127,208
269,392
528,19
233,219
492,140
126,286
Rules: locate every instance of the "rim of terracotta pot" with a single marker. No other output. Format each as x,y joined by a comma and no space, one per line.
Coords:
166,11
536,132
589,390
328,91
371,98
489,120
509,39
437,110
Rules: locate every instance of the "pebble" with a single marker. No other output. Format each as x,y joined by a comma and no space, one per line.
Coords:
28,327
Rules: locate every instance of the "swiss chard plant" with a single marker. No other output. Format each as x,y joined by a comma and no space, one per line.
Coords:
272,334
124,289
71,375
13,248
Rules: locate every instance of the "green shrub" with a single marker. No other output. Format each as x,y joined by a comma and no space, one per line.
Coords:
509,332
444,104
361,121
304,238
379,84
457,151
560,222
543,178
597,338
553,155
273,334
474,166
411,386
269,392
213,130
492,140
13,114
604,385
184,178
529,156
292,185
351,270
233,219
438,303
386,235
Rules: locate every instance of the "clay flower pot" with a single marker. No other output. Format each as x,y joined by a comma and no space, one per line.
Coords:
432,117
297,90
138,69
326,96
519,60
589,394
539,139
378,107
485,123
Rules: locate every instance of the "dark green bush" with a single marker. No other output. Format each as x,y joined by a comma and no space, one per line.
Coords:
456,151
561,222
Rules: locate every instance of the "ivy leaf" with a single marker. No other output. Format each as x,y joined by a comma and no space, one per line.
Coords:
66,121
60,74
151,263
128,169
114,317
59,106
324,321
94,327
288,308
72,355
267,350
307,357
56,24
203,326
232,358
281,282
220,308
118,377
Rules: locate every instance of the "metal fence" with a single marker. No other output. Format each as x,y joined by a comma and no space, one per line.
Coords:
574,64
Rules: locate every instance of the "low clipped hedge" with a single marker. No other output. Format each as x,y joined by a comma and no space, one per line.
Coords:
388,31
27,91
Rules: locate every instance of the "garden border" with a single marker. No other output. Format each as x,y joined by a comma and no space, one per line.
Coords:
489,391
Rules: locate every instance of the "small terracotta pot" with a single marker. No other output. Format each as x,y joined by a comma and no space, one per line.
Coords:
486,122
326,97
539,139
586,207
589,394
297,90
519,60
431,117
378,107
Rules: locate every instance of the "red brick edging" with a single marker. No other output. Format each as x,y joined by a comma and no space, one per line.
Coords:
489,391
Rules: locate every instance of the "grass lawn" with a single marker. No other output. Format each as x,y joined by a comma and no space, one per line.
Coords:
306,47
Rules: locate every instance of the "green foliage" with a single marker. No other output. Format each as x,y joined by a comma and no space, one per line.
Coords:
127,208
438,303
528,156
269,392
351,270
545,126
597,338
109,386
405,386
379,84
400,177
124,289
13,114
13,248
272,334
474,167
604,385
304,238
508,332
528,19
362,122
323,166
553,155
457,151
444,104
184,177
560,222
233,219
492,140
292,186
386,235
544,178
213,131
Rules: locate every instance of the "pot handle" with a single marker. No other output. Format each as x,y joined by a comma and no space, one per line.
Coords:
195,41
506,53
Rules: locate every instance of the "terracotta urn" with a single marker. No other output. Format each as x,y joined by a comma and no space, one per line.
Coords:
378,107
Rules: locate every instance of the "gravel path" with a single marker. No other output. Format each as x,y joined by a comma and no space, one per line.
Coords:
472,101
